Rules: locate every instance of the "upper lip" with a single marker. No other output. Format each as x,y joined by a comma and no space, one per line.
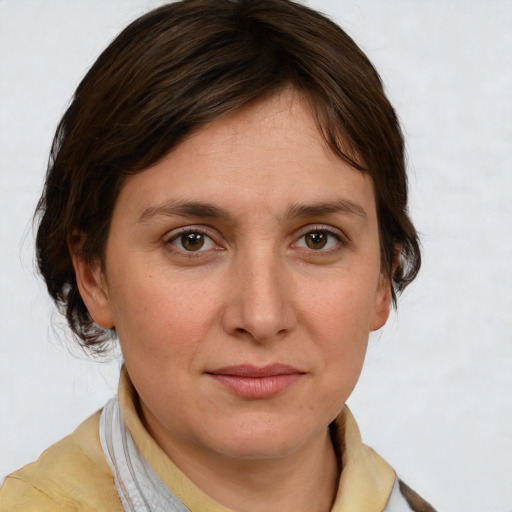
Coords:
251,371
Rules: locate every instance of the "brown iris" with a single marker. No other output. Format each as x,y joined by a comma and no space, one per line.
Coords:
192,241
316,239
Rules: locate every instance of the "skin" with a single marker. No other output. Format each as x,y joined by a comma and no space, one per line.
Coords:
254,293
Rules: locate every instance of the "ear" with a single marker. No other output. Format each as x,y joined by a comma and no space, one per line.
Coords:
91,283
382,304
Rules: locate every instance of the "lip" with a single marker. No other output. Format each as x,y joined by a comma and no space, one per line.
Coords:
254,382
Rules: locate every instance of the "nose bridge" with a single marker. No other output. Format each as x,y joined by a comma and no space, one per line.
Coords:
260,306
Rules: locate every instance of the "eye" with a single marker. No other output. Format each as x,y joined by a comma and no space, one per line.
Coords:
319,240
191,241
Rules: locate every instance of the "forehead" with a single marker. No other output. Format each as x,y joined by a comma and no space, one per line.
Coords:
270,154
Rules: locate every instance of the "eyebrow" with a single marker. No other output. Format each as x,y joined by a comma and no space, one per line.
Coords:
207,210
184,209
343,206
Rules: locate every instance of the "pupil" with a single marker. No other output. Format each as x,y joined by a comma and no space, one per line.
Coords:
192,241
316,240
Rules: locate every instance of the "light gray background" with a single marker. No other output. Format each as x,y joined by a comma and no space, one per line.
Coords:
435,397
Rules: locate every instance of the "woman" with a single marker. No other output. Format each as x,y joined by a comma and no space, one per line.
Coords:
227,197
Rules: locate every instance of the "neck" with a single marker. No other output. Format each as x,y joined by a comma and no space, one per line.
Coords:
304,481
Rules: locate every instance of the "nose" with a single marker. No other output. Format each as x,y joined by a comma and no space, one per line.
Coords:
260,305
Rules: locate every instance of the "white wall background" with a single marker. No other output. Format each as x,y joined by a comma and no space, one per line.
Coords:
435,397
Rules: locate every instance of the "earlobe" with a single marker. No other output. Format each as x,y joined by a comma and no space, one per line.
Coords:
92,286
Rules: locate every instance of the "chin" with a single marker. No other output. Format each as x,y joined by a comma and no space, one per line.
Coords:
258,449
259,439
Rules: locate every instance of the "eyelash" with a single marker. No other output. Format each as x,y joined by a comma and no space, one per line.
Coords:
174,236
341,241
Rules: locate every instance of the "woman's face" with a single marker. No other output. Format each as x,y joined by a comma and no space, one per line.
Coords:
243,279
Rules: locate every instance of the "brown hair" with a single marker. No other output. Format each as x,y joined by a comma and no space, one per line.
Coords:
183,65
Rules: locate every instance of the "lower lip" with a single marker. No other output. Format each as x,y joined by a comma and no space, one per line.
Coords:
257,388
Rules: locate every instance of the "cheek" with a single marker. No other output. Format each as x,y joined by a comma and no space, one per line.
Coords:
157,321
338,317
340,307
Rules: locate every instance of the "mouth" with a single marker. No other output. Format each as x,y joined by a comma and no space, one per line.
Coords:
256,383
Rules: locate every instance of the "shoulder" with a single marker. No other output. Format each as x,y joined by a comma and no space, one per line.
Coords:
73,474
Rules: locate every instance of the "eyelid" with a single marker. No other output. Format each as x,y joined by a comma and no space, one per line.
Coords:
340,236
174,234
183,230
310,228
